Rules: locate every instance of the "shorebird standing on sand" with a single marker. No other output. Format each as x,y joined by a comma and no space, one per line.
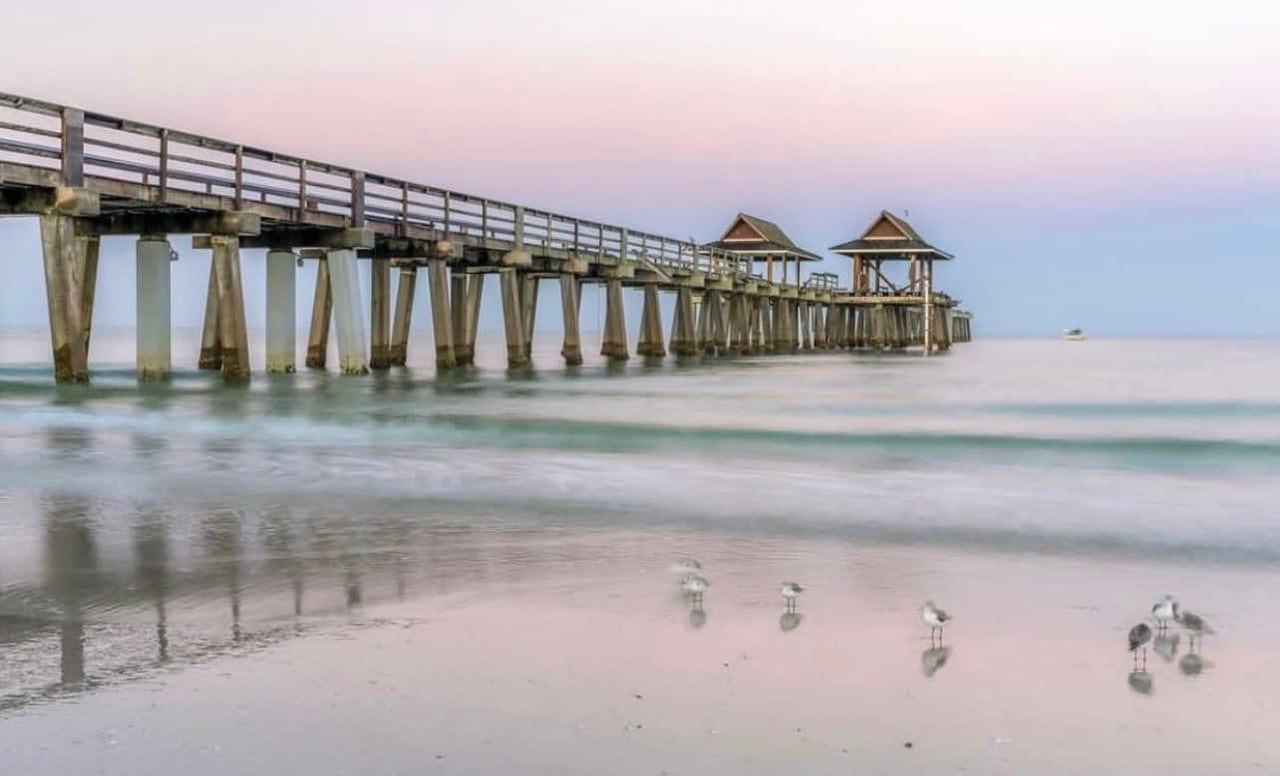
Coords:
1164,612
1195,626
790,590
694,586
935,618
1139,637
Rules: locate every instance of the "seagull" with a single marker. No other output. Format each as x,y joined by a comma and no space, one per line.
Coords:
1194,625
695,586
1139,636
935,618
686,567
1164,612
789,592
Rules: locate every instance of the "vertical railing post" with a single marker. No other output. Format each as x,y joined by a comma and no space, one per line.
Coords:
357,199
623,240
302,186
404,207
484,219
518,226
164,164
448,214
239,177
72,147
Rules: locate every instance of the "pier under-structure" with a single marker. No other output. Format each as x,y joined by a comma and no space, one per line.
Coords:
86,175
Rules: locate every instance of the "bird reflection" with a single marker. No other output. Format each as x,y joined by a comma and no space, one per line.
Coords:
1191,664
697,615
790,621
1141,682
934,658
1166,645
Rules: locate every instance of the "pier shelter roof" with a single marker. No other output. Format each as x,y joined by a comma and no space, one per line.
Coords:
890,237
752,236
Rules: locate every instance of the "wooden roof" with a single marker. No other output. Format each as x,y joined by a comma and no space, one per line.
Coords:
752,236
890,237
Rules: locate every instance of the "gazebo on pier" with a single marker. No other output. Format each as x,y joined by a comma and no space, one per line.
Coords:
891,313
890,238
755,238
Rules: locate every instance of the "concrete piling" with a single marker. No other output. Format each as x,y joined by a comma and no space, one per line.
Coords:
210,338
153,324
348,313
321,313
512,317
380,314
458,314
615,346
441,320
282,312
88,249
475,293
64,282
528,310
233,334
652,342
570,294
402,317
684,338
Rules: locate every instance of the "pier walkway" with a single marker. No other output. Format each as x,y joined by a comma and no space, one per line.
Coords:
86,175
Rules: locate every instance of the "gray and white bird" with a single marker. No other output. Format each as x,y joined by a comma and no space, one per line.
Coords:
695,586
1194,625
935,618
790,591
1164,612
1139,637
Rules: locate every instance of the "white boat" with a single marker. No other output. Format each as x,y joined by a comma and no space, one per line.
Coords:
1072,334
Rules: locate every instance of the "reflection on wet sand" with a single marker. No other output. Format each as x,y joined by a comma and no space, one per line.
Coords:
933,659
1141,682
790,621
1166,645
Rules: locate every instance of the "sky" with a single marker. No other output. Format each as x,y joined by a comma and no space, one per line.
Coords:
1109,165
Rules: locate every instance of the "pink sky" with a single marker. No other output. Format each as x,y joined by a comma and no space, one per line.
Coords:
670,116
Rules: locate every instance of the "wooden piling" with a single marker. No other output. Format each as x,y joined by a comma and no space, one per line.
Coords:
512,317
88,249
321,313
379,314
441,320
614,346
402,318
739,337
458,313
64,283
570,292
233,334
684,340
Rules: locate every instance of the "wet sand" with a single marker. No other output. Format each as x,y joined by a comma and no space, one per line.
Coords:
574,653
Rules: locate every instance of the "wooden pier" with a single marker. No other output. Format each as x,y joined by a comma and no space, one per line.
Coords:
86,175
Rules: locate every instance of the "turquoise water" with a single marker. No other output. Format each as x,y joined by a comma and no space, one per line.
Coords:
161,527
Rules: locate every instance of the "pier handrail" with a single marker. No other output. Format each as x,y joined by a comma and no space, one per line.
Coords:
77,143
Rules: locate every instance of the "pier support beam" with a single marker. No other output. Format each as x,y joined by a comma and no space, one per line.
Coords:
154,318
233,334
512,317
614,346
402,318
441,320
766,324
210,340
64,267
380,314
528,311
570,293
739,336
471,313
684,339
282,312
348,315
458,314
321,312
652,342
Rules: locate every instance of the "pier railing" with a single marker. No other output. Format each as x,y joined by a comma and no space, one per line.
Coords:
79,145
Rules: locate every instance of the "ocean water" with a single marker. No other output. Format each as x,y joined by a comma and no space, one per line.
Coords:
150,532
